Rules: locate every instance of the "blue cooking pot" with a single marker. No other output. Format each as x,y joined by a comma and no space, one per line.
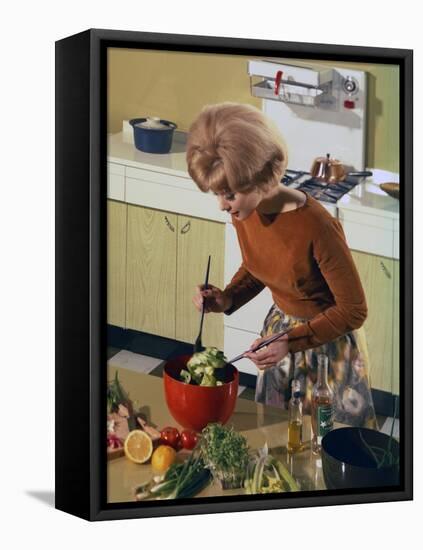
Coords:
152,134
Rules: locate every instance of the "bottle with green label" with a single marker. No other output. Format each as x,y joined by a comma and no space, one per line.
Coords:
321,405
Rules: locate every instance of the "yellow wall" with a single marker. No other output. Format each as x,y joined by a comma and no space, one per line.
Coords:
176,85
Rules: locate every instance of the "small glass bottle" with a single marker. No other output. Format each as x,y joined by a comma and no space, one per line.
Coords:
295,419
321,405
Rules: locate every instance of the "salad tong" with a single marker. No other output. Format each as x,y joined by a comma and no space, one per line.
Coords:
260,346
198,346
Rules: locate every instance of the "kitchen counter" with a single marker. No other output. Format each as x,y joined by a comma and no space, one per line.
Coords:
370,217
157,181
258,423
367,198
121,150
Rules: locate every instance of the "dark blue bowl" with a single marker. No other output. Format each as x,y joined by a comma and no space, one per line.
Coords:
348,463
153,140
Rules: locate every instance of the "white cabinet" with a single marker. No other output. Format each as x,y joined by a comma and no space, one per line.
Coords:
170,193
373,234
115,181
237,341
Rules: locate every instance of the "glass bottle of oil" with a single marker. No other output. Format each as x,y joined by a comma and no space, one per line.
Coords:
295,419
321,404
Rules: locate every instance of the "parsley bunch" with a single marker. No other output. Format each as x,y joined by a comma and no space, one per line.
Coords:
225,453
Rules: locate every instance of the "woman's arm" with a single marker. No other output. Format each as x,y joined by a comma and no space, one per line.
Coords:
242,288
349,312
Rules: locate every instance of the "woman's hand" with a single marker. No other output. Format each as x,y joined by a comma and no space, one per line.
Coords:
214,298
270,355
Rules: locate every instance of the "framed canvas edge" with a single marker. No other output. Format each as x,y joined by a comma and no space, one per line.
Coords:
256,505
101,40
294,49
72,253
406,265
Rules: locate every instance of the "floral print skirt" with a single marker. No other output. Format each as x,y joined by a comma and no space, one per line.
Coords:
347,374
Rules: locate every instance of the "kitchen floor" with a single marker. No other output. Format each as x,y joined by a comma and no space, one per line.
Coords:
150,365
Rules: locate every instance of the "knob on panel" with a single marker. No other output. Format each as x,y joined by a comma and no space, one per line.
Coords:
350,85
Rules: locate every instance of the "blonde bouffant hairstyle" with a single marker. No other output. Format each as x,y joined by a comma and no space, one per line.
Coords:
234,147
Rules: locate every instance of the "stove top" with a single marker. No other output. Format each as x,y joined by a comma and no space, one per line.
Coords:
325,192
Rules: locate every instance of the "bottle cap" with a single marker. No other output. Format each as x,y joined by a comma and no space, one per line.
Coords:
295,385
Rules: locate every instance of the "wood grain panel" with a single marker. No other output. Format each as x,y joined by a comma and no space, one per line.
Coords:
377,277
196,240
151,271
116,262
396,325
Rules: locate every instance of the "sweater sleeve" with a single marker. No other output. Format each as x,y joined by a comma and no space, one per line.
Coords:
242,288
349,311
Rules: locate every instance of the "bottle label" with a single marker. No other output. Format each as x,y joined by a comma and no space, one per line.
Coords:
324,421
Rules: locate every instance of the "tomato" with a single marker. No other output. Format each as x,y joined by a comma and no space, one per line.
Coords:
170,436
189,439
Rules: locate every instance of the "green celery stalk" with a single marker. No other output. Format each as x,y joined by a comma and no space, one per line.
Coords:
258,475
286,476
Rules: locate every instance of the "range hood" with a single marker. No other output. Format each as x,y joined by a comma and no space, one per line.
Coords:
311,87
317,108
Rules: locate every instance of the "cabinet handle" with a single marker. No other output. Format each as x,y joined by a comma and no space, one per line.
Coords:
186,228
385,270
170,226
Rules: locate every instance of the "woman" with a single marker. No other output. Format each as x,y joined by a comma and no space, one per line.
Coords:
293,246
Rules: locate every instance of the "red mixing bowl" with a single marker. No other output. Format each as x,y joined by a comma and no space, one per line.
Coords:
194,407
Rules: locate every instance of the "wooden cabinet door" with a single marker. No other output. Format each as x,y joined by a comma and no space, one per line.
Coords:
396,321
116,262
377,278
151,271
197,239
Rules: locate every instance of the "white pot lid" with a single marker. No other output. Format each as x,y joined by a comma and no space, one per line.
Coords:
153,123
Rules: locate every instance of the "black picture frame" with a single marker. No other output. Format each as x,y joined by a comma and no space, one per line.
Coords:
81,133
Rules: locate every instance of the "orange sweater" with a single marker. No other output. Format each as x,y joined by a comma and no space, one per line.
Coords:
303,258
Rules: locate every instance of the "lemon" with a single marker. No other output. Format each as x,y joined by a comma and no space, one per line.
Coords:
138,446
162,458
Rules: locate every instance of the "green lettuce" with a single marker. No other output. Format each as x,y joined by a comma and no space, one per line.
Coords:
201,367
